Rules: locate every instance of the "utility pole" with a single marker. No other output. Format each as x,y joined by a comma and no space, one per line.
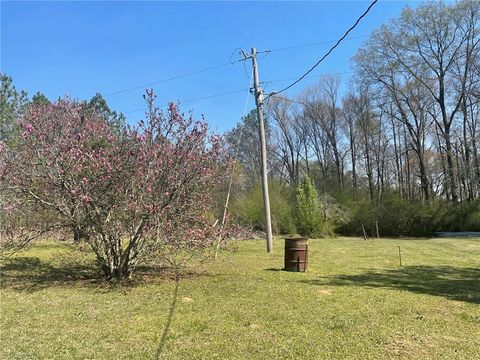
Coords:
259,102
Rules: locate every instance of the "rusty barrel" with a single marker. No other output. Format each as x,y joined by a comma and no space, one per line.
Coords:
296,254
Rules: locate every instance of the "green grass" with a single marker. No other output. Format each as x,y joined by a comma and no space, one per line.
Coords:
355,302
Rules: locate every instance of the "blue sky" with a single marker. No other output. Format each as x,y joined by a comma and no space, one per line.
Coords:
80,48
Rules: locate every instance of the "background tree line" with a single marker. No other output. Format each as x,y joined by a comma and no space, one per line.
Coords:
399,147
14,103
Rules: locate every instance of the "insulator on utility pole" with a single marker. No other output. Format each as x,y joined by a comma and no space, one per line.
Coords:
266,198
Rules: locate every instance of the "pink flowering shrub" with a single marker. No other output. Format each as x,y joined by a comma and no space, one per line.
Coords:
147,190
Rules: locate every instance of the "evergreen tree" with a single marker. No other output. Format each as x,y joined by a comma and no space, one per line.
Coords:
40,99
99,105
12,104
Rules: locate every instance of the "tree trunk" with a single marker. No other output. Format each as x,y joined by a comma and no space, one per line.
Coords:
353,157
407,163
116,263
450,167
466,146
397,160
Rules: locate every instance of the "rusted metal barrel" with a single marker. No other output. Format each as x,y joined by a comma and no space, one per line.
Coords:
296,254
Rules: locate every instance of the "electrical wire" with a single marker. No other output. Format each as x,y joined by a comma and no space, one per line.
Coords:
306,77
241,90
267,52
316,43
172,78
328,52
290,100
195,99
212,96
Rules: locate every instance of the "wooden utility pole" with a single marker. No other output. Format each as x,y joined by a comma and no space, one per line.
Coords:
259,102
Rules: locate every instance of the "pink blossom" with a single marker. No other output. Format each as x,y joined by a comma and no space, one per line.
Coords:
161,175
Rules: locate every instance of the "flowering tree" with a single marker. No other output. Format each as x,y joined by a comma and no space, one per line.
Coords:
144,191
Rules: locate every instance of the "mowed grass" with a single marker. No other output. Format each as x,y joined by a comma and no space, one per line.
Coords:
355,302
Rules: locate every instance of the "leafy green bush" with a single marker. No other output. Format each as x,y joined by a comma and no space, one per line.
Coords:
304,211
472,220
459,217
309,219
334,214
247,208
397,217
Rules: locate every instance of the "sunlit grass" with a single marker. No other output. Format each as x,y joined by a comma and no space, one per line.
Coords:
355,302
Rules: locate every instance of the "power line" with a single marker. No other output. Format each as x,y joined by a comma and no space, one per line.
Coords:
214,95
290,100
172,78
317,43
306,77
240,90
267,52
223,65
329,51
196,99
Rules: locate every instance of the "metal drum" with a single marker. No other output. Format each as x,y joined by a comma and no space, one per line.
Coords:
296,254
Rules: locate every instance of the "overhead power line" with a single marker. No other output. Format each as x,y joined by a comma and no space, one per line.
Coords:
316,43
291,100
306,77
214,67
214,95
195,99
172,78
328,52
240,90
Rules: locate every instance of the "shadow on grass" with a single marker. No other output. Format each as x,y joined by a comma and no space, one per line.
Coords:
454,283
168,324
32,274
274,269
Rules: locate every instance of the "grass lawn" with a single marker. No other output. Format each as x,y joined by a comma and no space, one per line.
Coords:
355,302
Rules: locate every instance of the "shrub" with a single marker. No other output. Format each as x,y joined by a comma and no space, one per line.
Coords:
398,217
334,214
309,219
247,209
128,195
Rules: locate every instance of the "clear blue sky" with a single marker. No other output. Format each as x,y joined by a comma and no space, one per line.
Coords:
80,48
